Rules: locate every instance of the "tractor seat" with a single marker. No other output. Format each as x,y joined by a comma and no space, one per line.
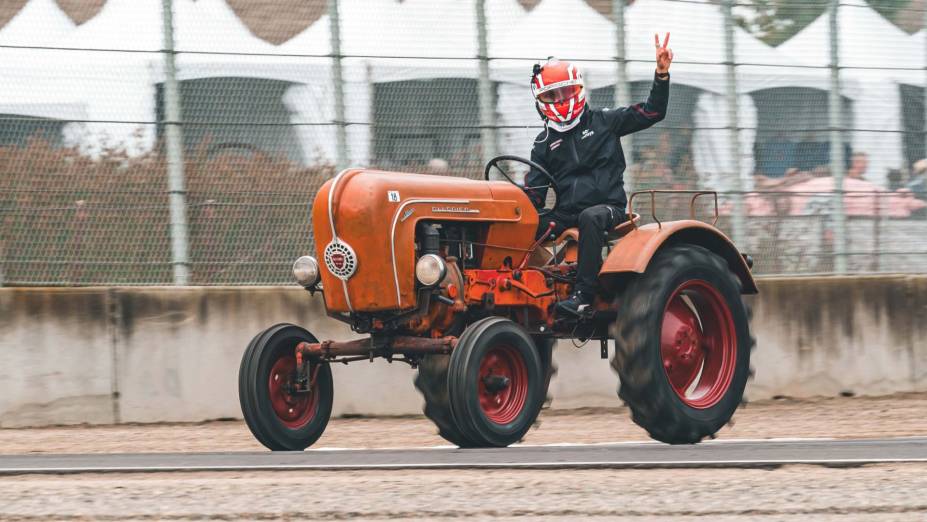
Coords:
620,230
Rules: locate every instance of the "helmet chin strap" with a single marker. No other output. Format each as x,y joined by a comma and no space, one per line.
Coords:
565,126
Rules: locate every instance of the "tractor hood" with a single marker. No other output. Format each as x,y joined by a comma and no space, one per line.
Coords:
364,227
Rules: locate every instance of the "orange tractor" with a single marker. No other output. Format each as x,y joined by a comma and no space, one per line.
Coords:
445,274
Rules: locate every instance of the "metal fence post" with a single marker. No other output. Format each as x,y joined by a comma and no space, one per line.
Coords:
733,117
837,161
341,135
174,145
2,255
622,91
487,100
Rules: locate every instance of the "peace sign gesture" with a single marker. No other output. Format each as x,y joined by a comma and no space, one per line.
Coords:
664,54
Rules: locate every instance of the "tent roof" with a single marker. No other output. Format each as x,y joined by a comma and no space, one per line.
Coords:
570,29
866,39
386,35
573,30
697,29
212,26
37,14
422,28
207,27
133,25
35,90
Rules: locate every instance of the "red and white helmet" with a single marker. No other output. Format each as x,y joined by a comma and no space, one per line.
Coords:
559,91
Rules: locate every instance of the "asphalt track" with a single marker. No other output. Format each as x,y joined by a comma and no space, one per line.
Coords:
732,454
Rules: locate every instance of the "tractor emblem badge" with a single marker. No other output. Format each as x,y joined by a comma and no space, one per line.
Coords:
340,259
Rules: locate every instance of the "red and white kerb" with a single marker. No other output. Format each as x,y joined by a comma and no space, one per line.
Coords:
559,91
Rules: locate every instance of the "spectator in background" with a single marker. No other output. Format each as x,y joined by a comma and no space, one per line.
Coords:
895,179
438,166
859,163
918,182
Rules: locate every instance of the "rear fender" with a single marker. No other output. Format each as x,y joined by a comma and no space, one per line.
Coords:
633,252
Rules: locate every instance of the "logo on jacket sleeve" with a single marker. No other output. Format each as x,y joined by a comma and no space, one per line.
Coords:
587,133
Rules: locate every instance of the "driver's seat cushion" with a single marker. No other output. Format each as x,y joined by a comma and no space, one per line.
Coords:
621,229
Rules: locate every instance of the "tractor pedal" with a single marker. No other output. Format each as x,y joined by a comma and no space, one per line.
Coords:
587,312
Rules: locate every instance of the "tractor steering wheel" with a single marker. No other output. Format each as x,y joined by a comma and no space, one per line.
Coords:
550,186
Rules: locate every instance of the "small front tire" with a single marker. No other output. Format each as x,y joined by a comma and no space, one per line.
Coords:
495,383
279,417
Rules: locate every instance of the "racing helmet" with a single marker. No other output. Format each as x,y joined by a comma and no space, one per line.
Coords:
559,91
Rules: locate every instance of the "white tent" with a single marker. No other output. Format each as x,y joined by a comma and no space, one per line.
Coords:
313,102
388,41
912,98
227,77
24,91
38,23
119,75
113,73
878,56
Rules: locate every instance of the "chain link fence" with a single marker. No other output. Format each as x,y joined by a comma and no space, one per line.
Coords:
244,108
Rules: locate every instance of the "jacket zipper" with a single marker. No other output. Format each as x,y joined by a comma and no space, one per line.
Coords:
575,162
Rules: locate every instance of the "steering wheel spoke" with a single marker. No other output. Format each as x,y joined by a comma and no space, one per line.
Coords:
550,187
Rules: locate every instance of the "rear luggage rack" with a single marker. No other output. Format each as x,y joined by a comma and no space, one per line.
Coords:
653,205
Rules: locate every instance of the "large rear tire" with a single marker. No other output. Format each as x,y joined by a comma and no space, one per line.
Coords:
279,417
683,345
495,383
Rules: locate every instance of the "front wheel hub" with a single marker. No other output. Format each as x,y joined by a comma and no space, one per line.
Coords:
503,384
496,383
294,409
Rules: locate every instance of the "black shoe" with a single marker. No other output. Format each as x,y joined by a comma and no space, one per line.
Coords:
575,304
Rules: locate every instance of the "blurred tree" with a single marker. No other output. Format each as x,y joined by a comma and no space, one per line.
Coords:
775,21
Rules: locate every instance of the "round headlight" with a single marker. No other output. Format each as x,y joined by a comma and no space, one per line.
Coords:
430,269
306,270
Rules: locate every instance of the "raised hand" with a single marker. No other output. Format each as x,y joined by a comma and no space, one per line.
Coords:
664,54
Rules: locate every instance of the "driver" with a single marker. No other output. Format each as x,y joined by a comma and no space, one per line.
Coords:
580,148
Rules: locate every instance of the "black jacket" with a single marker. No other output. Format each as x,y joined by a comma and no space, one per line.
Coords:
587,161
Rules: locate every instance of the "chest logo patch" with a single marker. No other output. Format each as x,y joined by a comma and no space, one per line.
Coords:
556,144
587,133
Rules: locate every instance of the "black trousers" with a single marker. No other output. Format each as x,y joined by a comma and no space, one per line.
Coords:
592,223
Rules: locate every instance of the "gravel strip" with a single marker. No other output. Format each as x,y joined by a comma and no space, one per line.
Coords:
883,492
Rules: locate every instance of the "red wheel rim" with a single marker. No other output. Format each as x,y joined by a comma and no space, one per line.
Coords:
294,410
502,384
698,344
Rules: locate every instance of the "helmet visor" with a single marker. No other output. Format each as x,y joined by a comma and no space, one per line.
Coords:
560,94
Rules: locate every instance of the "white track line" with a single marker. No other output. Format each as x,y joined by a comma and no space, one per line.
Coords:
599,444
652,464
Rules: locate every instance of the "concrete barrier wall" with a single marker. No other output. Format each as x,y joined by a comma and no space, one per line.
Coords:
104,355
